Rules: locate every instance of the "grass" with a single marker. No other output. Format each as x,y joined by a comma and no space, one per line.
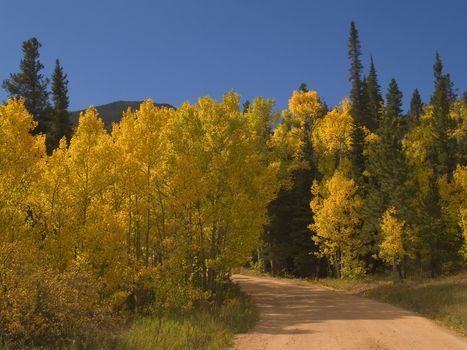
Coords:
199,331
207,327
442,299
210,329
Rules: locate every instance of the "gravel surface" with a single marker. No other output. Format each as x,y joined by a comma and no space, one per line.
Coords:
298,315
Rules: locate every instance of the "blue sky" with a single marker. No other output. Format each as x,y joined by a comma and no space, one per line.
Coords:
176,50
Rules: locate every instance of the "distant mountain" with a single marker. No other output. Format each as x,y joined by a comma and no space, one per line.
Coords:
112,112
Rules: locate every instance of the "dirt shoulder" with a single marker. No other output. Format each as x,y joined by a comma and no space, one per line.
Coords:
297,315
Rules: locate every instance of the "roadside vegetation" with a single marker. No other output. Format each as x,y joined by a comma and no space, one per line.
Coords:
443,299
209,326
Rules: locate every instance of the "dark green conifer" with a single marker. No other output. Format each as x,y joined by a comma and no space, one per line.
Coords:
356,92
246,106
416,107
387,167
61,117
443,149
30,84
393,100
374,99
357,99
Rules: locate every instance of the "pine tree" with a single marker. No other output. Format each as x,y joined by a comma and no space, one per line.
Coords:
355,72
61,117
443,148
392,168
287,235
393,100
30,84
357,99
416,106
246,106
303,87
387,167
374,98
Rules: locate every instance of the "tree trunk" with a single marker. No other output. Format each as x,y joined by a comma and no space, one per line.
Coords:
394,269
137,233
129,225
212,257
148,213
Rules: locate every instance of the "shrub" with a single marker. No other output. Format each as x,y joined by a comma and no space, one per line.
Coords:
41,306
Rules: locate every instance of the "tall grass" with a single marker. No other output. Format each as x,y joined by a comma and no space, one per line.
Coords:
199,331
210,328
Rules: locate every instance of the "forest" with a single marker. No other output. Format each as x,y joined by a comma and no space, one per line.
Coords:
99,227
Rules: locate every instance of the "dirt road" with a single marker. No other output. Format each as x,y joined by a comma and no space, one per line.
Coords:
297,315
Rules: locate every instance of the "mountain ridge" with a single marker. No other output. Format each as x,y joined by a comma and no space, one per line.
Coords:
112,112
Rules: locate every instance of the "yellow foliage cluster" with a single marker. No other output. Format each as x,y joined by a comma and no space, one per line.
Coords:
40,306
305,105
335,205
333,133
460,181
152,215
392,246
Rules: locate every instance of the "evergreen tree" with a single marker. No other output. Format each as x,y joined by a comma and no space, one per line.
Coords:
246,106
355,72
393,100
356,93
416,107
364,97
443,148
374,98
389,157
357,99
387,167
61,117
438,245
30,84
287,236
303,87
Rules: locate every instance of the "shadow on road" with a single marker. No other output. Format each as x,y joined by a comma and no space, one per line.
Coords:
284,306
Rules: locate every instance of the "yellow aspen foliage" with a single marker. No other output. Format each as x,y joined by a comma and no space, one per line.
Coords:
19,154
291,145
154,215
392,247
335,206
305,105
143,140
333,133
42,306
453,204
291,139
416,146
459,197
90,172
458,112
221,175
51,207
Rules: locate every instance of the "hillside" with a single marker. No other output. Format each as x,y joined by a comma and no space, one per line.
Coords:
112,112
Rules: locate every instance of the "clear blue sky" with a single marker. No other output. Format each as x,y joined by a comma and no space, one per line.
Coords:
174,51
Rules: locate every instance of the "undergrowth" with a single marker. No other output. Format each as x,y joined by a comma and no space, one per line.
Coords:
210,326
